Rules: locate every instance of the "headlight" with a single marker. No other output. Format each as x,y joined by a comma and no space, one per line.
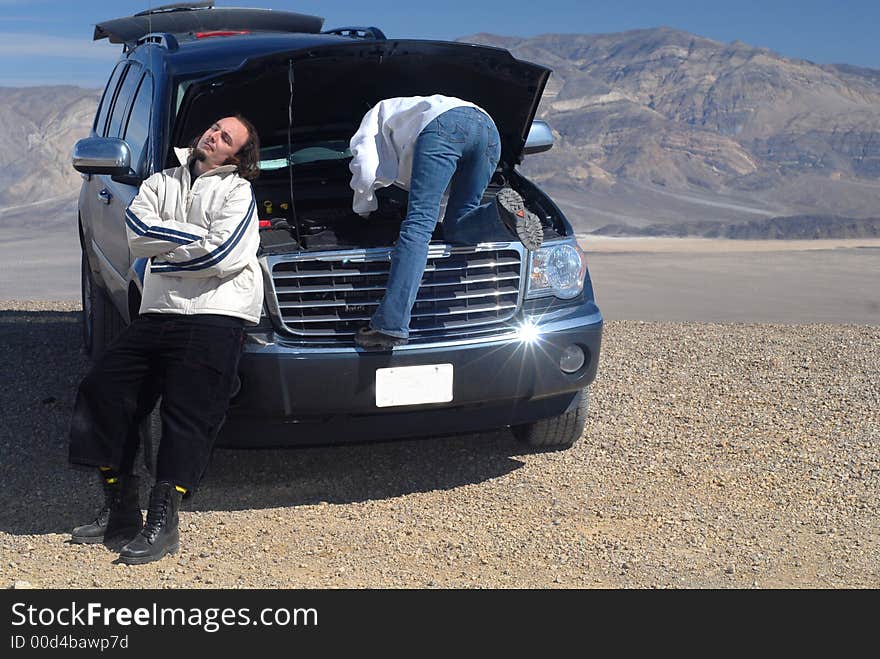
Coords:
557,270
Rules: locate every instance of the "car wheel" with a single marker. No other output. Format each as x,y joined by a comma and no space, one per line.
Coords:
558,432
101,323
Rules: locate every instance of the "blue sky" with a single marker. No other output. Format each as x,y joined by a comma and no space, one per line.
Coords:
50,41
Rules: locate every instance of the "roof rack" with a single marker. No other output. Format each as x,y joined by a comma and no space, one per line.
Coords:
203,17
358,32
179,6
164,39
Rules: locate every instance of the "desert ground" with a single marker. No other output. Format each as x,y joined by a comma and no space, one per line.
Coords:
735,455
717,280
731,443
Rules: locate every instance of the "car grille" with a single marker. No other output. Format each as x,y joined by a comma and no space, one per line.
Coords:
323,298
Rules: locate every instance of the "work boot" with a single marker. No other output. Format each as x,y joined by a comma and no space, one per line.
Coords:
160,535
120,519
519,219
369,339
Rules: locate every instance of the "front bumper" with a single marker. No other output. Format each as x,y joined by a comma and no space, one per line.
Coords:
293,395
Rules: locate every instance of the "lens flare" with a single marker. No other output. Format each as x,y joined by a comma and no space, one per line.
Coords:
528,332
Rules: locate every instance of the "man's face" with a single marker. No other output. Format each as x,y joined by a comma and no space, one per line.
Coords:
221,141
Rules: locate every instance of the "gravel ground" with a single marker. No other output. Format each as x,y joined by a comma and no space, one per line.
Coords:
715,456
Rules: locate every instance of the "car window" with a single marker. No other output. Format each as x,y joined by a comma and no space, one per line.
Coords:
118,113
107,100
181,92
137,130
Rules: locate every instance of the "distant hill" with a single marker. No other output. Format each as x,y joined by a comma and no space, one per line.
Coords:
652,127
38,128
662,126
796,227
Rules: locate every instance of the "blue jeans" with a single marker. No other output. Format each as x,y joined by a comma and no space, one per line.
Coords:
458,150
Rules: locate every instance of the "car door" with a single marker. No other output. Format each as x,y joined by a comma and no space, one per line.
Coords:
112,195
91,205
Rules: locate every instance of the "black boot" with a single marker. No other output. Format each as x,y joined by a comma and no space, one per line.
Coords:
120,519
159,535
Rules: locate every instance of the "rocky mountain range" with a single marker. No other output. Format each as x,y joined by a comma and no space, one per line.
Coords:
38,128
654,128
661,126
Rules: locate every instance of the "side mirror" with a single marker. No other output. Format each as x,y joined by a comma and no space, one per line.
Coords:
540,138
102,155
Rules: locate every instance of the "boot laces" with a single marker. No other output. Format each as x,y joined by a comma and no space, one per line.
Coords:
155,516
103,516
112,499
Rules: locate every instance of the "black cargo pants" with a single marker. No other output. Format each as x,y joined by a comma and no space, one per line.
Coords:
191,361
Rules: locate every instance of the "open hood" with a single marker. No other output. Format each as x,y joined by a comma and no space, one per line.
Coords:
335,85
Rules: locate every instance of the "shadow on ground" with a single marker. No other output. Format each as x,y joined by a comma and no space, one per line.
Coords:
42,366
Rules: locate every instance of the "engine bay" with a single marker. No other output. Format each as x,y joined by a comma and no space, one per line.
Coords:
320,216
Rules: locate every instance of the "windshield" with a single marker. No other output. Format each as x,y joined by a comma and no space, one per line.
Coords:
273,157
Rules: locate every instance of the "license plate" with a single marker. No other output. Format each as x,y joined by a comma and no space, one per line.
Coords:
413,385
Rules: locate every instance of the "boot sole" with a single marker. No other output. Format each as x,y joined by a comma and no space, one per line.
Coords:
373,342
526,224
123,535
378,346
140,560
86,540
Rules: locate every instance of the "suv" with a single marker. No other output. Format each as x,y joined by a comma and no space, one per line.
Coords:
501,337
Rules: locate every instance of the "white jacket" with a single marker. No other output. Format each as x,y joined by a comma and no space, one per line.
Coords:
201,238
382,147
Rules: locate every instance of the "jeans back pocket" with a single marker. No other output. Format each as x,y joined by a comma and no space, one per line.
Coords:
454,126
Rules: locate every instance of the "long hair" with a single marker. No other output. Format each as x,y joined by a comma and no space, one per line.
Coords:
247,158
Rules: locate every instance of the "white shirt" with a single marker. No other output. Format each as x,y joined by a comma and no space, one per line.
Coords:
382,147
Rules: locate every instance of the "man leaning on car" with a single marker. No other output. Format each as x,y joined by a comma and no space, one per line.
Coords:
197,224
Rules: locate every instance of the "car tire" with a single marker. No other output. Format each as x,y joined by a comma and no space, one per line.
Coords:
101,322
558,432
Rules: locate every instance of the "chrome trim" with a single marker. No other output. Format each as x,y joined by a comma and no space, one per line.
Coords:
298,333
540,138
454,295
285,345
453,311
435,250
360,273
101,155
478,279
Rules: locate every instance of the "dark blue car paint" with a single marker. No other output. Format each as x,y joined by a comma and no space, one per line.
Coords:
293,395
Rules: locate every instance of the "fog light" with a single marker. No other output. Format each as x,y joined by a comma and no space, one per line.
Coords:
572,359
